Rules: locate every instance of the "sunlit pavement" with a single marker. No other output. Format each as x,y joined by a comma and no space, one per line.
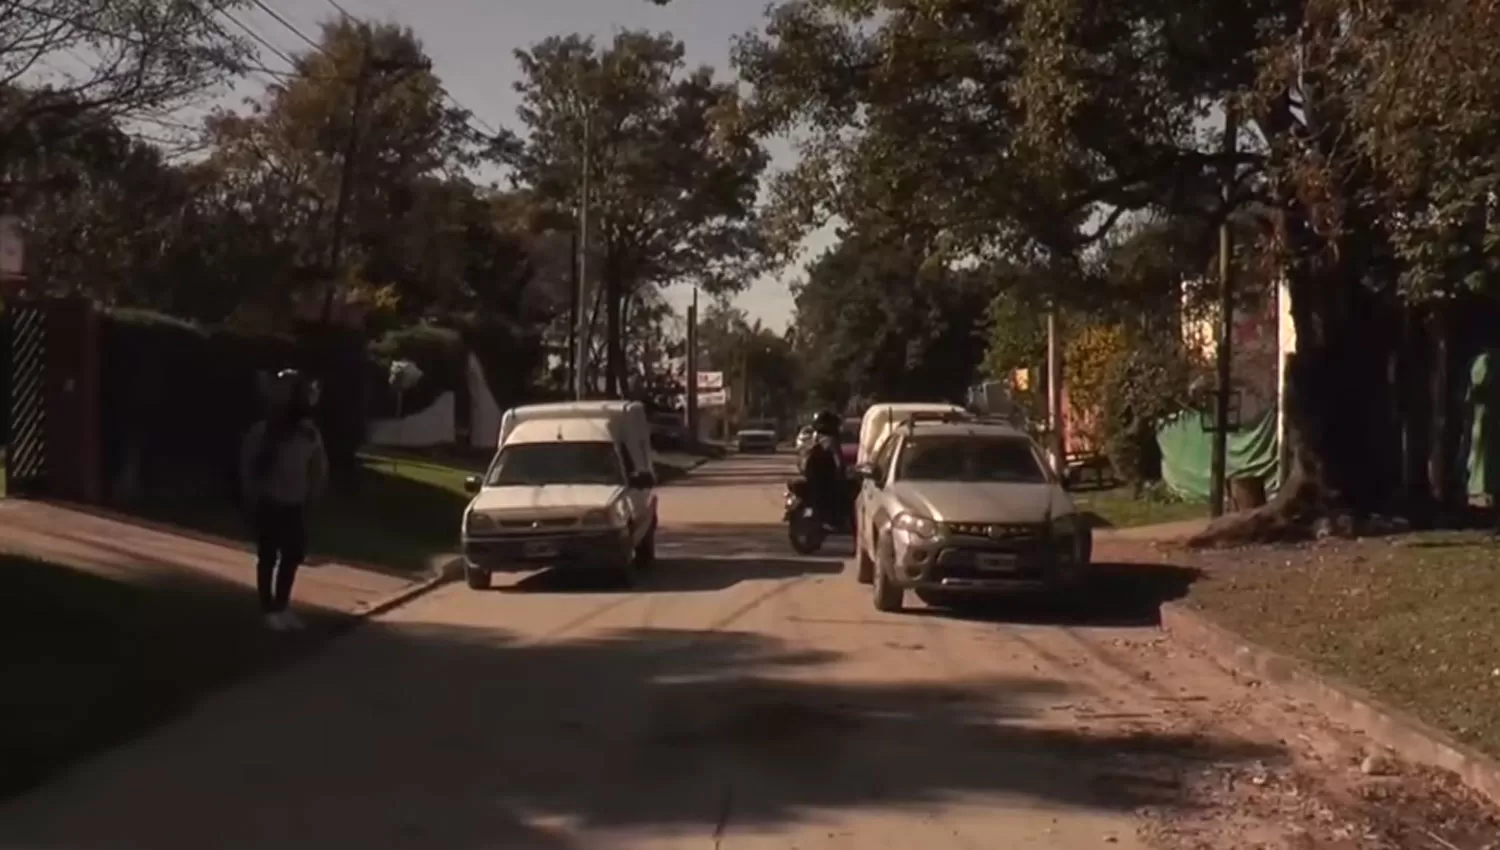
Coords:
743,697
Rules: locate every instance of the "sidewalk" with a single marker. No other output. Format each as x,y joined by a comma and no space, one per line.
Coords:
123,551
1167,532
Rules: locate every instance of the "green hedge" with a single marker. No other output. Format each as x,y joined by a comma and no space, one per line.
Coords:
183,396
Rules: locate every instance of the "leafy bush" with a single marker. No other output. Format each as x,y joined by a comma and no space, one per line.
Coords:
180,395
1147,383
1090,355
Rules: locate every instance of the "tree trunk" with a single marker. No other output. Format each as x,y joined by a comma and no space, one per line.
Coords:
1337,407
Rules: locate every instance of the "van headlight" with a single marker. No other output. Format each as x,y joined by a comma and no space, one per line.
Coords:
478,523
914,524
614,516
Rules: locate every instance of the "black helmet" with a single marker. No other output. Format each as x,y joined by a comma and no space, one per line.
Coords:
827,422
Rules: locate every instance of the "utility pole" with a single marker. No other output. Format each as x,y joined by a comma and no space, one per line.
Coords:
368,65
575,308
690,364
1225,355
581,264
1054,392
346,176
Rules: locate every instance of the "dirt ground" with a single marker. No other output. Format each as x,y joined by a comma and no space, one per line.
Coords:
748,698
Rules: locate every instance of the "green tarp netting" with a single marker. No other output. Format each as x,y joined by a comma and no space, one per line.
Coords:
1187,453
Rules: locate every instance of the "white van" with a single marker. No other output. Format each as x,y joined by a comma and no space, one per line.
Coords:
881,419
571,485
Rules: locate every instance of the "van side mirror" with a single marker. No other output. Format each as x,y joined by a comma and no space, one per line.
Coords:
643,481
471,484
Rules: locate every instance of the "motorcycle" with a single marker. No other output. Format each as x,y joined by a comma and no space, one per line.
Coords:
806,529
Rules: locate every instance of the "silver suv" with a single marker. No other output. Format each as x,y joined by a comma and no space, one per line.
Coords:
954,508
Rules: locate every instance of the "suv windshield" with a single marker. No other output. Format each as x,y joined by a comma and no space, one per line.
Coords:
533,464
970,459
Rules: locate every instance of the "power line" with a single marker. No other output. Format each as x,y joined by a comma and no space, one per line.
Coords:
266,7
136,41
469,113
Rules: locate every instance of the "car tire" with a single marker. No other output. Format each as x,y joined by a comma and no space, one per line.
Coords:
864,565
478,579
889,596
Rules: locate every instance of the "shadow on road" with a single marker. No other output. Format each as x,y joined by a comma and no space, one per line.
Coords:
473,738
1118,596
695,558
749,470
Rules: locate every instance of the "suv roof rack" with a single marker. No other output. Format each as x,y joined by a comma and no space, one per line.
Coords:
955,418
937,416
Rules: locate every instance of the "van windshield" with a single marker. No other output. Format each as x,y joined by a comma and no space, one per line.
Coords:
537,464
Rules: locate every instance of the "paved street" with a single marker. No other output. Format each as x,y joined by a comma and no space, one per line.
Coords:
746,698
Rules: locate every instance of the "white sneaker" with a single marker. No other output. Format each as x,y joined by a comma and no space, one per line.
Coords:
276,622
291,622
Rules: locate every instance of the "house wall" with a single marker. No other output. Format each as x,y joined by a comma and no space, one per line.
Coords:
1256,369
436,425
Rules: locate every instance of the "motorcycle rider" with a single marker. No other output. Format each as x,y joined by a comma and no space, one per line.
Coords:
823,467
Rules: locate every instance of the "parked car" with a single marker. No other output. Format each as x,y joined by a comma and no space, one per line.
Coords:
950,509
571,485
757,436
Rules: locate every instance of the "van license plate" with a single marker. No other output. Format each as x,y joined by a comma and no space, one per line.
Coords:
539,550
996,563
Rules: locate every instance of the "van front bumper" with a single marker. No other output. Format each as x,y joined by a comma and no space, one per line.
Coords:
604,548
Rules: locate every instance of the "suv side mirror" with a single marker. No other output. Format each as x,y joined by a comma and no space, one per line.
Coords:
643,481
471,484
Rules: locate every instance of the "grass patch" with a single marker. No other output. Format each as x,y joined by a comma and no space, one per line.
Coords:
89,661
402,513
1414,619
1119,508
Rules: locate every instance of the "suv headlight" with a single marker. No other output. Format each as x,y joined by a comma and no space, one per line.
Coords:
478,523
920,526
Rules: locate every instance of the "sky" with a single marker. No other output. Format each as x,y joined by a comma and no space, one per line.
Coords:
472,43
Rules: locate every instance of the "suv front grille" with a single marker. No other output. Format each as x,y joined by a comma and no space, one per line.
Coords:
1012,533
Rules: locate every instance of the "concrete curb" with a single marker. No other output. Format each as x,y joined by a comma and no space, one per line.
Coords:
1406,736
451,570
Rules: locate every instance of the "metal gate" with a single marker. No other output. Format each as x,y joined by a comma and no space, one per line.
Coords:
26,464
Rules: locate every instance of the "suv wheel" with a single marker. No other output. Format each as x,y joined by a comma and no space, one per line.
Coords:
889,596
477,579
864,565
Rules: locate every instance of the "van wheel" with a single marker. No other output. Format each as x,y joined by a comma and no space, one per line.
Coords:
478,579
645,553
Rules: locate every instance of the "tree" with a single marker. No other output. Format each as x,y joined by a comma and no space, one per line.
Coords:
874,320
673,169
284,159
1065,119
144,58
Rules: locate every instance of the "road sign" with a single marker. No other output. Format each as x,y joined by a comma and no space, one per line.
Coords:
713,398
710,380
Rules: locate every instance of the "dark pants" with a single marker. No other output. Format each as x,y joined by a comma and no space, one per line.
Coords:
280,545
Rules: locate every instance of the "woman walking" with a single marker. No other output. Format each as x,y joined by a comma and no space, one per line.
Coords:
283,468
